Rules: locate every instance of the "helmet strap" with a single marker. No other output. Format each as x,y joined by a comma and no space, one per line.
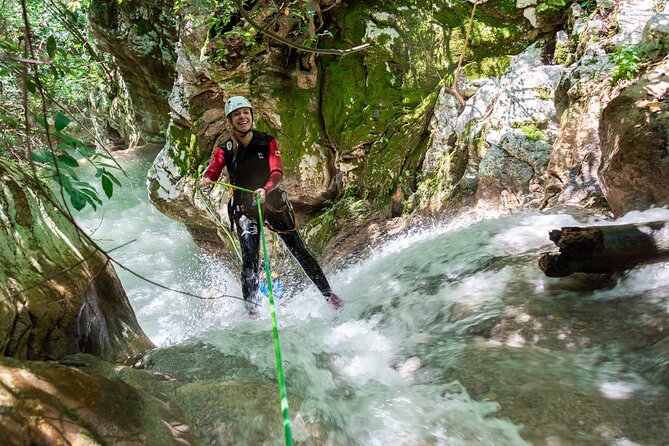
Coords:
242,134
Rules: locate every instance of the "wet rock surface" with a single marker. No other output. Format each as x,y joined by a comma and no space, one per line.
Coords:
635,138
60,295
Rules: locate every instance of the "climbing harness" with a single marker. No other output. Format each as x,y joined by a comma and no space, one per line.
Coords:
275,331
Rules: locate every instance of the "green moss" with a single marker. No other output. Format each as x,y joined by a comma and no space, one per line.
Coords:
561,54
530,130
361,90
350,209
487,67
545,93
301,130
183,149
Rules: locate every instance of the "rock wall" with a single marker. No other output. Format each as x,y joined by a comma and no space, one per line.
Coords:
634,131
568,123
379,134
58,294
498,145
354,126
140,37
85,400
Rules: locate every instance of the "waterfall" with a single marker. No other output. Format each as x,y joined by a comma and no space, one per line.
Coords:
450,335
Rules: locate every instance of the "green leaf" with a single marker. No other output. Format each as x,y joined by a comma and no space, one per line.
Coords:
108,186
67,139
103,155
92,196
109,166
68,160
51,46
9,120
85,151
42,156
112,177
65,182
83,185
61,121
70,171
31,87
40,121
10,46
77,199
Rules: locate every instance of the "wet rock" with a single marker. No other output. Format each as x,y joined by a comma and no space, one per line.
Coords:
635,138
45,404
226,399
60,295
141,37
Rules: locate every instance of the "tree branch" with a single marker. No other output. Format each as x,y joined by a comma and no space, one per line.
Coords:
454,91
286,42
23,60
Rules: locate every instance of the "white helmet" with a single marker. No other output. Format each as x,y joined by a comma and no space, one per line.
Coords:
236,102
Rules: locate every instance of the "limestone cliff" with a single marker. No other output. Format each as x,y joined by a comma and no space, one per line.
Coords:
140,38
354,126
379,134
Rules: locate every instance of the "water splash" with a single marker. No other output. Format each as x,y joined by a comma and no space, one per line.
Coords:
450,335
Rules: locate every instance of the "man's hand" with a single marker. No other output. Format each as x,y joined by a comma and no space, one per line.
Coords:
205,184
260,195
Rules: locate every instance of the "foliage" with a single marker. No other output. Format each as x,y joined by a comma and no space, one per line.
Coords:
229,35
349,206
54,78
627,63
588,5
62,162
550,6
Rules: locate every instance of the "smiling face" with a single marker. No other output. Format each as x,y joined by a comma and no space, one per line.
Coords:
242,119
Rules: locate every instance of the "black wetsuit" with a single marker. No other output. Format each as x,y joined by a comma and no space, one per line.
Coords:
253,167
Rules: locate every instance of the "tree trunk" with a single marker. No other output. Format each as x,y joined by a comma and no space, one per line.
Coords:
605,249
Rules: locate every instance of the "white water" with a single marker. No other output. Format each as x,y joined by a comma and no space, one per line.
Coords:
447,335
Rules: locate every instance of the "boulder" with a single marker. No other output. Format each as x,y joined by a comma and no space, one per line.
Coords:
634,131
83,402
572,173
655,38
58,292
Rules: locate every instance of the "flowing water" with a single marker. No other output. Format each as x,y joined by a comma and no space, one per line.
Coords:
450,335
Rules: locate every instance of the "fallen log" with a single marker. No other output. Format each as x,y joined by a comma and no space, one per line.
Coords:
605,249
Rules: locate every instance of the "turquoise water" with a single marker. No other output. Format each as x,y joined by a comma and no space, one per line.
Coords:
450,335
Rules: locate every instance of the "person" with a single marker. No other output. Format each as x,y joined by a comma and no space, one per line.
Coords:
253,161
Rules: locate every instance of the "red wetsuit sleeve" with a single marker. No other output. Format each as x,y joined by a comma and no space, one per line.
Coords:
216,165
275,172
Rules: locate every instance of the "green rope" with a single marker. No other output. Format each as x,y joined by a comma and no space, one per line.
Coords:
227,233
275,330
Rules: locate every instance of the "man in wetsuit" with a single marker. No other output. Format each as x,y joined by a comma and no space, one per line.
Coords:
253,162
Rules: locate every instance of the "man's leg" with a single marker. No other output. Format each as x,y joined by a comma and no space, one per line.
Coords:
283,223
248,234
308,263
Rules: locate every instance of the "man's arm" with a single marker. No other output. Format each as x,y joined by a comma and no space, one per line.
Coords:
214,170
275,169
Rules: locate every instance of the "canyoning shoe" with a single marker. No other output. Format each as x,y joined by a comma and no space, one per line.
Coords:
334,301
